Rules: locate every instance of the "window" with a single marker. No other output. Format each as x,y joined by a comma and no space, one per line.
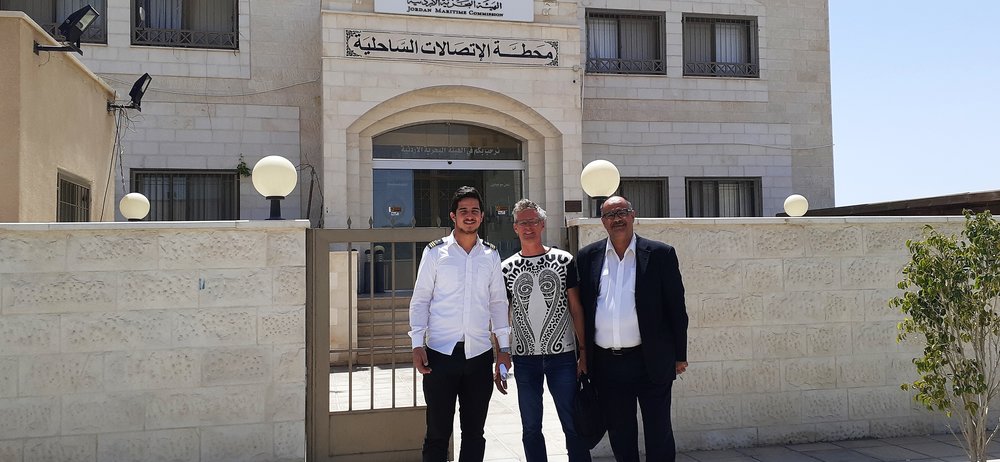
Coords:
189,195
647,195
74,200
51,13
186,23
625,43
723,197
720,46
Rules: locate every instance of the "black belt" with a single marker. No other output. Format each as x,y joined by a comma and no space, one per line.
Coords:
620,351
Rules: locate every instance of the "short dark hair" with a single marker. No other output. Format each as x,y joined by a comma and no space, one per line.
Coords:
464,192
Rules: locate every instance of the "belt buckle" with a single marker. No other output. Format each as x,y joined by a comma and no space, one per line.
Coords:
617,352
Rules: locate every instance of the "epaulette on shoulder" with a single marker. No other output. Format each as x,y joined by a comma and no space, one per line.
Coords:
487,244
435,243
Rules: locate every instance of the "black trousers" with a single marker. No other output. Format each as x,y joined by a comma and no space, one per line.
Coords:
471,381
621,382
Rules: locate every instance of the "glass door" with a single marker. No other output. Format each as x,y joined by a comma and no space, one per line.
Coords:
404,198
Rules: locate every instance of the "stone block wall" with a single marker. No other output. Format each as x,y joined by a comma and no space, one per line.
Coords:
152,341
776,126
207,107
791,338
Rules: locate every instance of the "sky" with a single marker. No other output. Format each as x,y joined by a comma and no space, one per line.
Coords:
916,98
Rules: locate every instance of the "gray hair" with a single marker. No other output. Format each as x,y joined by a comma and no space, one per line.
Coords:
526,204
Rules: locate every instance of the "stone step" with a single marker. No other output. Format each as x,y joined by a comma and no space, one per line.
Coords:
383,302
401,315
399,341
381,356
382,328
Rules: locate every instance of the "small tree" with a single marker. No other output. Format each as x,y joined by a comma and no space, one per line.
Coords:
951,287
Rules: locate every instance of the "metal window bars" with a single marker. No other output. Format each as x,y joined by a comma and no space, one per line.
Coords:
625,43
720,47
186,25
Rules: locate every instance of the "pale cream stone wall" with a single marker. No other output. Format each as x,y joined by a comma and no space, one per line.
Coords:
205,108
152,341
53,122
362,97
777,127
791,338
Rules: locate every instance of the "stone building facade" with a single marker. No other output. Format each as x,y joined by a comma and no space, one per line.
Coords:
708,108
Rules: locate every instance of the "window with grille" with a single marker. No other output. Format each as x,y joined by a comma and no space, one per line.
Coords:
648,196
723,197
186,23
720,46
74,200
189,195
625,42
51,13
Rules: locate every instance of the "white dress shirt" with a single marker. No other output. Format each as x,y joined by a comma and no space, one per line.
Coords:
456,297
616,322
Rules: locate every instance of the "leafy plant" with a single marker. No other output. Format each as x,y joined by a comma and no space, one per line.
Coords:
241,167
951,287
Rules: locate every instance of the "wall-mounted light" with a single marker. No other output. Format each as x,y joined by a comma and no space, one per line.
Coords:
600,179
796,205
138,90
134,206
72,29
274,177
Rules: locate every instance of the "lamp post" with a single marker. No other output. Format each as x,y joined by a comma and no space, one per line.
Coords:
796,205
134,206
600,179
274,177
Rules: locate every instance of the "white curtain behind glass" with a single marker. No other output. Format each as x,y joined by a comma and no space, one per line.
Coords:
602,38
209,15
640,39
736,199
646,197
730,43
164,14
697,42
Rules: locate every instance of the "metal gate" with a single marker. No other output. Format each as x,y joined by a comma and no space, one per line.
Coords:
363,402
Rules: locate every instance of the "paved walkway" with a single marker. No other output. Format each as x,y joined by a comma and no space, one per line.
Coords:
503,430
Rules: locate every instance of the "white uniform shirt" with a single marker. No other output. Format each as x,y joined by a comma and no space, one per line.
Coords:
616,322
457,296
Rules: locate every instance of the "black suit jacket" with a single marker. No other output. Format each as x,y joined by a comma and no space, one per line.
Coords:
659,304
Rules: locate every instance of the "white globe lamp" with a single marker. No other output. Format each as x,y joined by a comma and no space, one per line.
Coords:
600,179
134,206
796,205
274,177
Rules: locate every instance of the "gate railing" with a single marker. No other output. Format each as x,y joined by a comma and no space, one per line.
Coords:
359,283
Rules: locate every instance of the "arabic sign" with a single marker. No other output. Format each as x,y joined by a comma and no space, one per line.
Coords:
363,44
445,152
502,10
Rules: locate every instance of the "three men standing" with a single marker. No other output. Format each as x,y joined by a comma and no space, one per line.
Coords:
636,331
458,295
629,308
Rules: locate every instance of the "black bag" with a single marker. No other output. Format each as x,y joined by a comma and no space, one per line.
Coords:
587,416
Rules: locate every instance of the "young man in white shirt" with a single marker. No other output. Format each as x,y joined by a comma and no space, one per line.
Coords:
458,296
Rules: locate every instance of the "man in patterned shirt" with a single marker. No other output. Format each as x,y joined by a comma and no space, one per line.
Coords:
547,331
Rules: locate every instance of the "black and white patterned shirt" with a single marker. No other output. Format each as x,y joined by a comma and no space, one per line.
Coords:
536,286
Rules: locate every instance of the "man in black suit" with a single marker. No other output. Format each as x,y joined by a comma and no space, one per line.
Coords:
636,327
